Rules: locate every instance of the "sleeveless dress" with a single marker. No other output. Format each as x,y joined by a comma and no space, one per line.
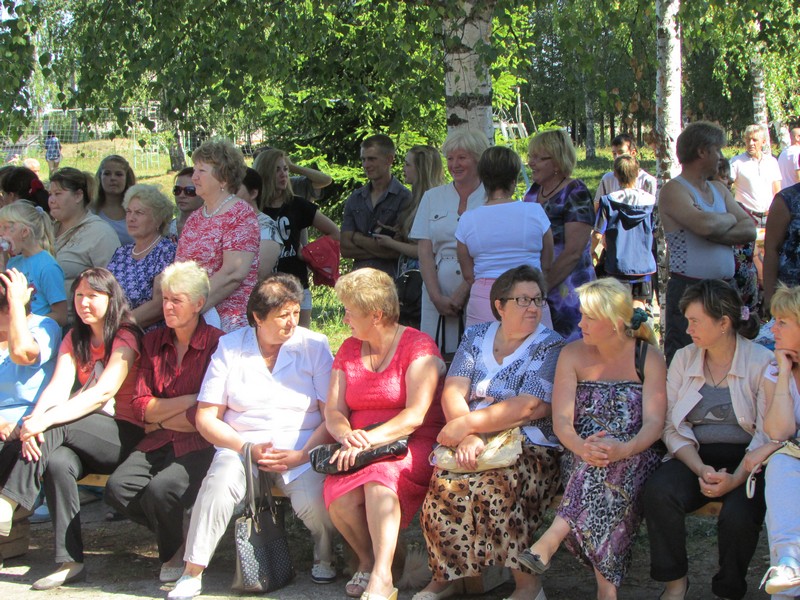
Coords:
376,398
603,504
789,254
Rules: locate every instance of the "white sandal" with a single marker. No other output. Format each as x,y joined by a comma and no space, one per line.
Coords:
357,584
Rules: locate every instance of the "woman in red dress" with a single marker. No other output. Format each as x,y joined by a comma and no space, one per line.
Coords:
390,376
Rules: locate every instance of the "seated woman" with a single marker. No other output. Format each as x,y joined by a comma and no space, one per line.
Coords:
502,234
266,384
609,401
389,376
83,240
138,266
186,200
501,377
161,478
714,407
28,349
114,177
29,233
781,422
223,236
64,438
21,183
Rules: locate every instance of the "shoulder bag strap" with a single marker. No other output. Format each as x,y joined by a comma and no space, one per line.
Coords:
641,357
250,498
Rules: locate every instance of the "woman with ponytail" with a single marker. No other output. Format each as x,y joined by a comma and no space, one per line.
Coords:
20,183
28,232
609,401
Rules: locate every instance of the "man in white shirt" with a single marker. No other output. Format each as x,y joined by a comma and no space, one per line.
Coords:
789,159
755,174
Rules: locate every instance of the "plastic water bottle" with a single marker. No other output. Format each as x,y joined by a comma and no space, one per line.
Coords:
5,245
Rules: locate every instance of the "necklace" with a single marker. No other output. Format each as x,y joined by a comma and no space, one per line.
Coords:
208,215
270,359
551,192
146,250
715,383
499,200
385,356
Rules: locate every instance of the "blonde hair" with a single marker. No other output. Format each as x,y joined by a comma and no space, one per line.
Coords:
430,173
34,218
557,144
474,142
265,164
369,290
610,299
786,302
186,278
153,198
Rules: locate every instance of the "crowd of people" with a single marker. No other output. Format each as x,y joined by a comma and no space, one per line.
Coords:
155,347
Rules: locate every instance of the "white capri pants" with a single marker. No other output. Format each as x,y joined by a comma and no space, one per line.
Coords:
223,492
783,520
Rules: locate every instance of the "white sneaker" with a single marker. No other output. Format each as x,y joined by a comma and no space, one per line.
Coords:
780,578
187,587
323,572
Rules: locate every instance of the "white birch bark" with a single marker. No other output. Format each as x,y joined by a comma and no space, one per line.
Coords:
668,88
468,85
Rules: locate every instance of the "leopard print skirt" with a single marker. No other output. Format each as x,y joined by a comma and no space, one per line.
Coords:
474,520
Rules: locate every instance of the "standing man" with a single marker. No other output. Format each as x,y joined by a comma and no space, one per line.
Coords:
701,223
374,208
789,160
755,174
624,144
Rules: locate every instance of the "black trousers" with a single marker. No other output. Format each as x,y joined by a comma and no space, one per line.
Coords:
154,488
673,491
96,443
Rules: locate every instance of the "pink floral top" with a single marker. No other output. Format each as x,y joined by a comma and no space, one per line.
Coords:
204,239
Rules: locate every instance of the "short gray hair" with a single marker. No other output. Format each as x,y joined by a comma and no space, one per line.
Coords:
186,278
471,140
153,198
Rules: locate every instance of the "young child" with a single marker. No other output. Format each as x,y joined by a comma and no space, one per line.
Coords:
26,237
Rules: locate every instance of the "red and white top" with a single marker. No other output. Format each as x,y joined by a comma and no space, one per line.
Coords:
204,239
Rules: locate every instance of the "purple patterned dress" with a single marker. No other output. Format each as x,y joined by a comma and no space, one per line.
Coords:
572,204
603,504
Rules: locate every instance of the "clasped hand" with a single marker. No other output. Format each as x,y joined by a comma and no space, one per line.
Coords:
600,449
275,460
715,484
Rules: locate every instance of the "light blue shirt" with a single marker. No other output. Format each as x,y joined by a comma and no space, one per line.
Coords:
21,386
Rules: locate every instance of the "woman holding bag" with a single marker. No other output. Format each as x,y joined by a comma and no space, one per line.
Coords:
387,376
501,378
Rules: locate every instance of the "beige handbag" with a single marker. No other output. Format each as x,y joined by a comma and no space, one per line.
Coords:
502,450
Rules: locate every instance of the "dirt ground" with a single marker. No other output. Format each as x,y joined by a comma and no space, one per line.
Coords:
122,563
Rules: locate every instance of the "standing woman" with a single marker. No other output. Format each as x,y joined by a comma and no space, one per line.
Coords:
292,214
422,170
83,239
782,242
609,400
29,232
223,236
569,206
715,404
67,437
52,151
269,250
115,176
445,291
501,235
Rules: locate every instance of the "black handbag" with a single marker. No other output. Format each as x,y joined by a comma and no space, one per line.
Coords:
320,457
409,294
263,561
441,338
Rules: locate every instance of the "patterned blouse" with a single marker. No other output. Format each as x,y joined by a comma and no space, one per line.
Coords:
530,369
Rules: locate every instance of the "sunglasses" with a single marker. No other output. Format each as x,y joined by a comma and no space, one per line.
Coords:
189,190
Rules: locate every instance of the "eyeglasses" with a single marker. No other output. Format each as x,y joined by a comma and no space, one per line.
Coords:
525,302
189,190
537,158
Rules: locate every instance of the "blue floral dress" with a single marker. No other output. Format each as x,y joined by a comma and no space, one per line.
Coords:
573,204
603,504
136,276
789,255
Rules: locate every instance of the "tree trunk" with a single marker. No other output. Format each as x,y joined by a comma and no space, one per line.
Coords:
612,130
759,91
602,129
668,89
468,85
590,147
177,157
